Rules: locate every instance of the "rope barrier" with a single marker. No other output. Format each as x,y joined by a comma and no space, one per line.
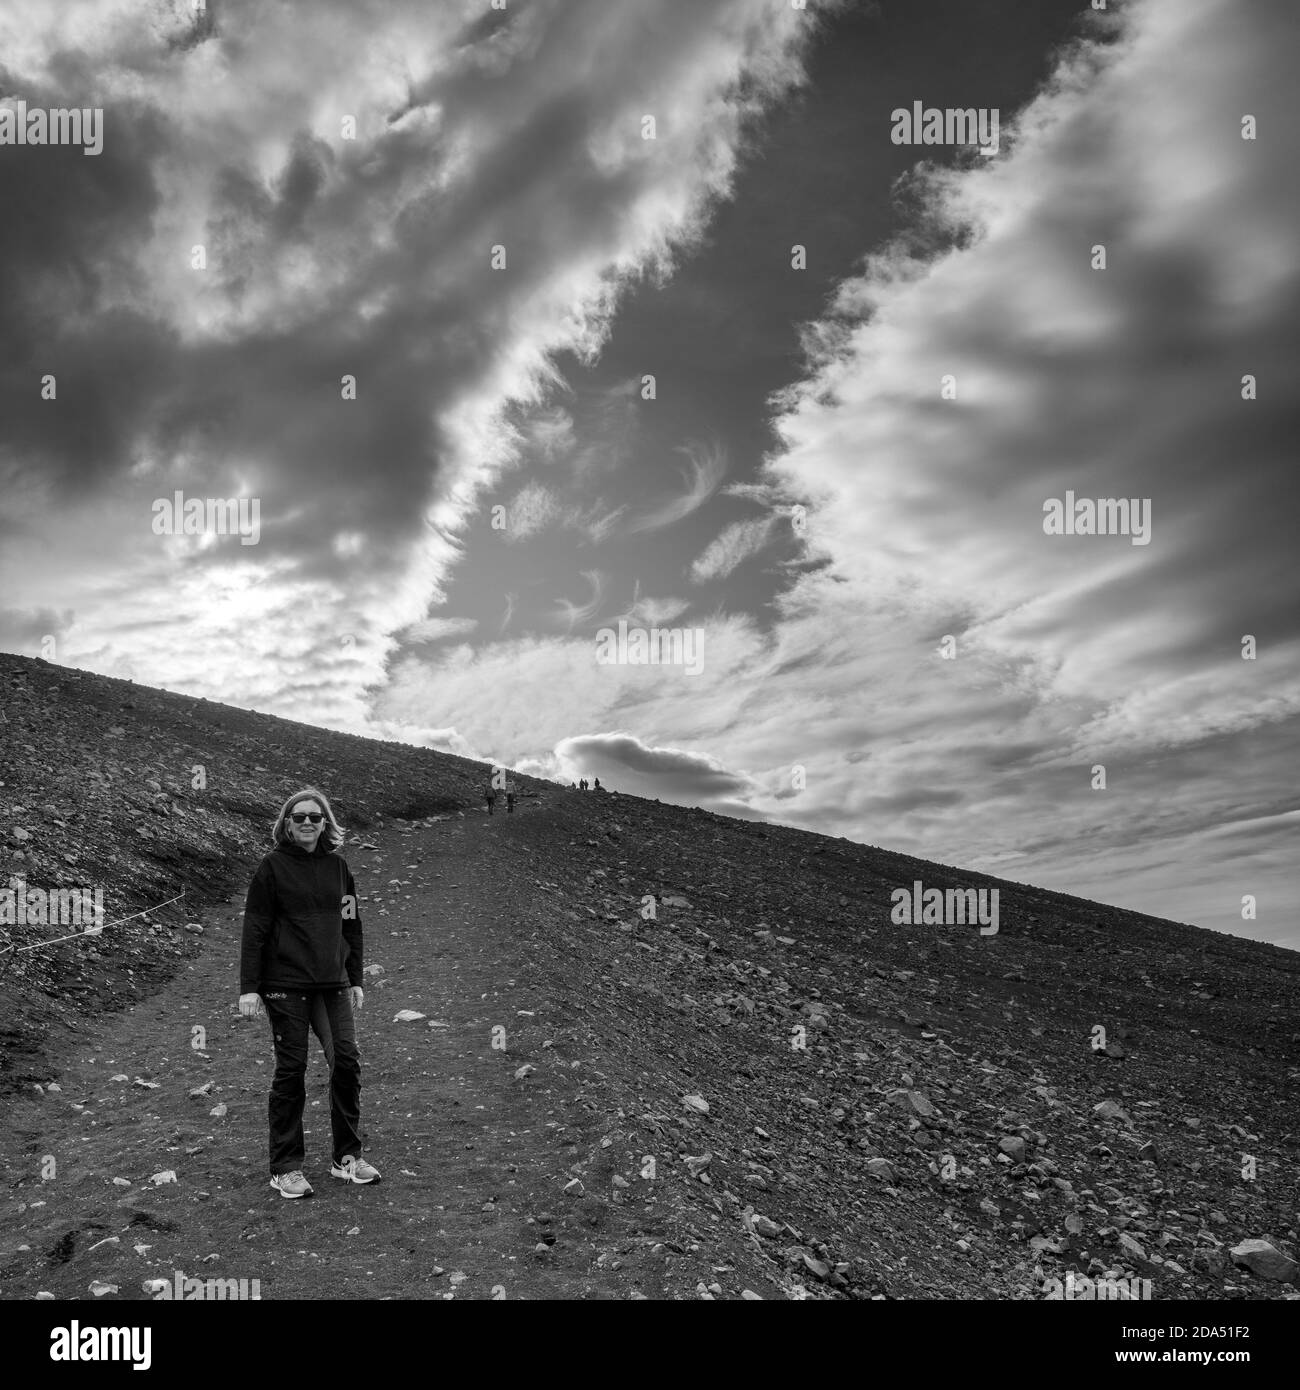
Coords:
72,936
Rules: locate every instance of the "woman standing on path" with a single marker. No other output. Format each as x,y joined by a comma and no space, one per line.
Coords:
301,950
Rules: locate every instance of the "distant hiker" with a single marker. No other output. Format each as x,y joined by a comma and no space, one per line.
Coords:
510,796
299,953
490,793
583,784
597,787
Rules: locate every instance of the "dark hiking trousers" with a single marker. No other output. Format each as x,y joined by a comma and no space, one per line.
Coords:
320,1025
290,1013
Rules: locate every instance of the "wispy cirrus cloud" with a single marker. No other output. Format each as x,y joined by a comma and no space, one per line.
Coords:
651,610
550,434
600,524
732,547
436,629
706,466
570,614
533,508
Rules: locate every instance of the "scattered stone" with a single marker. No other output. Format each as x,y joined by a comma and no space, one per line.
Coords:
696,1103
921,1105
1263,1259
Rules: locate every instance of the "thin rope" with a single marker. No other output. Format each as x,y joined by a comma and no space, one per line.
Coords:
54,940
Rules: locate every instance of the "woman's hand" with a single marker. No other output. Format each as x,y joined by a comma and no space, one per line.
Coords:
250,1005
357,995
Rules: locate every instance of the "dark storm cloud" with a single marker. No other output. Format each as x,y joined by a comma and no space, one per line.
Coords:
625,763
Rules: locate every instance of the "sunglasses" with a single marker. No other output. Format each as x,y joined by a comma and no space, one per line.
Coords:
297,817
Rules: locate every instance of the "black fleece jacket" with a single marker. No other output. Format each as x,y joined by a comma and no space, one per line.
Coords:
302,926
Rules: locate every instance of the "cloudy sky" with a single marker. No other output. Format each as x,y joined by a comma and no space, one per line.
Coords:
650,319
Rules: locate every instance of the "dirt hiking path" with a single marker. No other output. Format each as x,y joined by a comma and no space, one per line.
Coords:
474,1160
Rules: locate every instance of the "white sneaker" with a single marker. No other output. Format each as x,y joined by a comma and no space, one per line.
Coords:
291,1184
355,1169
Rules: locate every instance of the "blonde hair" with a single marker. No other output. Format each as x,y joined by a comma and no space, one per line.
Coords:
331,831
